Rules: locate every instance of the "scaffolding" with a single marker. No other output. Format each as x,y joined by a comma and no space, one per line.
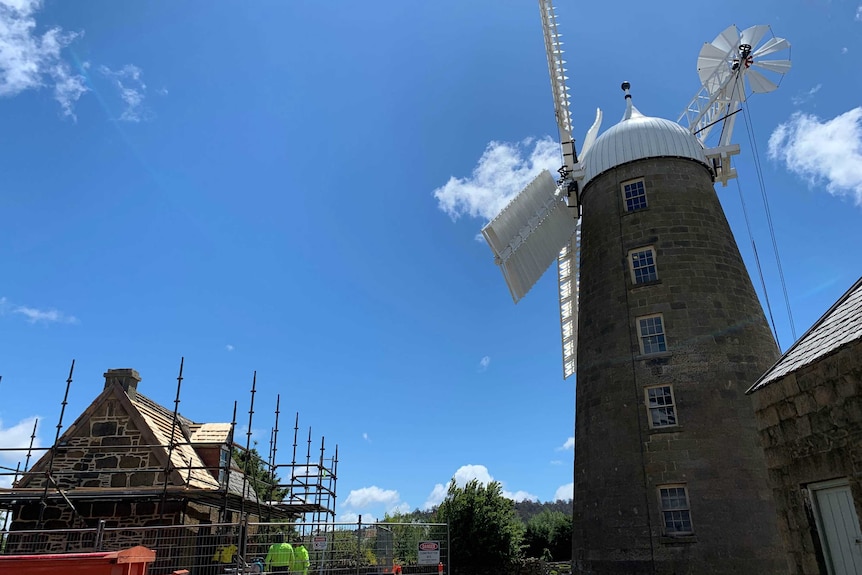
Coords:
201,463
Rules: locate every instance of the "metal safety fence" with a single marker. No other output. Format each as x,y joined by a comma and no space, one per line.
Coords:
211,549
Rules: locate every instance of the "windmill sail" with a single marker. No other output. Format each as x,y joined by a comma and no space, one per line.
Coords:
568,277
526,236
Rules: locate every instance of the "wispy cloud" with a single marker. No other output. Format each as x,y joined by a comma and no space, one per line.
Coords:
229,347
503,170
859,13
30,60
565,492
131,88
484,363
36,315
567,445
556,462
844,50
366,438
805,96
823,151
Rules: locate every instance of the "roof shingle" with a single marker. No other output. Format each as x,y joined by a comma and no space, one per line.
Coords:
840,325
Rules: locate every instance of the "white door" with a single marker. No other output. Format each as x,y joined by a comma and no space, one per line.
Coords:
838,526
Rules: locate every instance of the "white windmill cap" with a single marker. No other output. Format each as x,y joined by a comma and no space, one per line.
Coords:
637,137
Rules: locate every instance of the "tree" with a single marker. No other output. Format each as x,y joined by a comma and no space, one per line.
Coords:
549,536
258,474
485,533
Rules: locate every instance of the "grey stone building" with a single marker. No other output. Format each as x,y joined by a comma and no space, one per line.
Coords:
809,412
669,474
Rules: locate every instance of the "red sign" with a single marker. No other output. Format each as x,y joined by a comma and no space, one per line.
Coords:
429,546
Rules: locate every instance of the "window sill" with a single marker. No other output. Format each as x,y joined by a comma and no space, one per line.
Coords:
646,284
668,429
678,540
639,210
659,355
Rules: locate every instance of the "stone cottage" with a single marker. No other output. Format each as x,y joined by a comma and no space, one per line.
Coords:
809,413
129,462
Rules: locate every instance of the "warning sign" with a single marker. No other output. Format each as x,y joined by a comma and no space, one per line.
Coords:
429,552
319,542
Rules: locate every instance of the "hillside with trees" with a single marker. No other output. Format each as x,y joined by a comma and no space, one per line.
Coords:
490,534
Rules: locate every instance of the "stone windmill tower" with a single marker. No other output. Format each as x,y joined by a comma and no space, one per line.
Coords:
661,323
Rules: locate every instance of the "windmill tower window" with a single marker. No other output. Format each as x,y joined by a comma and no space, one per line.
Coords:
661,406
652,337
675,511
634,194
642,262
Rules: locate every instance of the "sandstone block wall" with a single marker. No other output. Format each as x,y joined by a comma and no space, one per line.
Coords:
718,344
810,425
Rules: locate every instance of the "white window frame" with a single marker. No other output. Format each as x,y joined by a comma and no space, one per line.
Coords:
671,406
632,268
626,205
223,463
642,336
684,512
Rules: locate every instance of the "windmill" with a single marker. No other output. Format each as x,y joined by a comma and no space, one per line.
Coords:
542,223
661,320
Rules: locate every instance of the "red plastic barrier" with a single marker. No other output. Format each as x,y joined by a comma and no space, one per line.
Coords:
134,561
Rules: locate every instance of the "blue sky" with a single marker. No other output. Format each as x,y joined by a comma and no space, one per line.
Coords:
252,186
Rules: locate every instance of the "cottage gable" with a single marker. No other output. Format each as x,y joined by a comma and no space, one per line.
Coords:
110,445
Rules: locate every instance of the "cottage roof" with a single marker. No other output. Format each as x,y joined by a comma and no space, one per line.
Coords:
183,456
839,326
210,432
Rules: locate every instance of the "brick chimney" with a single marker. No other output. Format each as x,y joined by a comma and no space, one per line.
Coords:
127,378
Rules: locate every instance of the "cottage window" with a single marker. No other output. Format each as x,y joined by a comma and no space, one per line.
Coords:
676,515
634,195
642,262
651,332
223,463
660,405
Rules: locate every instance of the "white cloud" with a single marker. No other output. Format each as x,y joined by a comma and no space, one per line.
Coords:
402,507
569,444
229,347
556,462
565,492
520,496
484,363
823,151
368,496
465,474
503,170
844,50
130,85
859,13
30,61
18,437
438,494
365,437
805,96
36,315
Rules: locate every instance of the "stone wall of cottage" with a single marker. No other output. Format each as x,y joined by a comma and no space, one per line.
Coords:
811,428
108,451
